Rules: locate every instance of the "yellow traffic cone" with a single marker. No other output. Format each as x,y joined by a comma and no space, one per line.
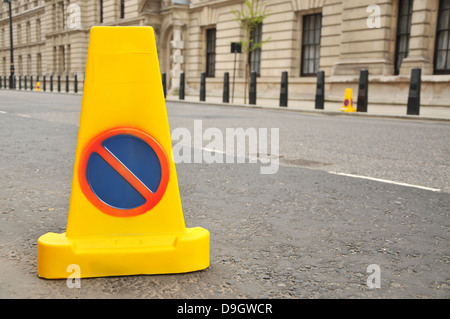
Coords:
348,102
38,86
125,214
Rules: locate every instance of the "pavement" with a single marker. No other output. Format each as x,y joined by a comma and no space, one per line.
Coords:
350,192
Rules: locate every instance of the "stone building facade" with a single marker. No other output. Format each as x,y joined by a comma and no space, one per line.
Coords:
340,37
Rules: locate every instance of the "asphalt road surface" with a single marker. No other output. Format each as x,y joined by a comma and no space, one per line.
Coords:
349,192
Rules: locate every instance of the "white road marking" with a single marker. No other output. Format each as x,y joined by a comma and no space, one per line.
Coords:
24,115
386,181
212,151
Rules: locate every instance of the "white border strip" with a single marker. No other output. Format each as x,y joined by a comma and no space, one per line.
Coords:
386,181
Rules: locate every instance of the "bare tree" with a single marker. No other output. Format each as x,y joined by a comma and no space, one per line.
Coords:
249,18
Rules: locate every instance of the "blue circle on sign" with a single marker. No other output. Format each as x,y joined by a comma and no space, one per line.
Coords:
117,165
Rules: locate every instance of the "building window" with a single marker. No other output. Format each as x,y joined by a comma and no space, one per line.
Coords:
62,60
312,25
210,52
39,63
20,65
29,64
55,59
28,32
442,59
19,34
122,9
255,55
403,33
38,30
61,16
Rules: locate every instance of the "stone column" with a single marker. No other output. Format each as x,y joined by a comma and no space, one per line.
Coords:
177,58
422,40
365,43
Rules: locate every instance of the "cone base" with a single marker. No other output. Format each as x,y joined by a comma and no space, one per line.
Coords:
348,110
123,255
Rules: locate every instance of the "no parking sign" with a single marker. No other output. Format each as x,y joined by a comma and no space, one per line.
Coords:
124,172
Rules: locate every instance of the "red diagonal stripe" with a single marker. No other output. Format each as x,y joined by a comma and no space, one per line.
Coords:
124,172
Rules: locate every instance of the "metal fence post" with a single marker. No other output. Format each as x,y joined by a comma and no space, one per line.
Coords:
226,88
414,92
252,93
181,90
363,93
284,89
203,87
320,91
164,80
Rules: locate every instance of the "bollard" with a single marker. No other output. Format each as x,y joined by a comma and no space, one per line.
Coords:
284,89
20,82
320,91
43,83
51,82
25,82
1,82
414,92
203,87
14,83
164,80
181,90
31,83
59,83
226,88
363,92
252,93
75,83
67,83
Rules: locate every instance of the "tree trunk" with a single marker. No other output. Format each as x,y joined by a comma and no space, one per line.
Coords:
247,76
247,67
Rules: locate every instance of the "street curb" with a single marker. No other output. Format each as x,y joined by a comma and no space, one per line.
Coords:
317,112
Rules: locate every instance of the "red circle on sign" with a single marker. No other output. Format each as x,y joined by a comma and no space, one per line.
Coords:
151,199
